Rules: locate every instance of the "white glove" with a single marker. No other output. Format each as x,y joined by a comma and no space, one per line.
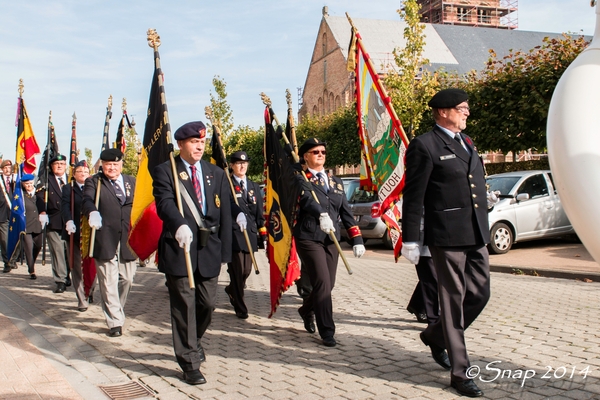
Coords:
492,198
411,252
70,227
241,221
95,220
184,237
43,220
358,250
326,223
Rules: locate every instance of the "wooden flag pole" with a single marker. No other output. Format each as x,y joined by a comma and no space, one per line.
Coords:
267,101
154,42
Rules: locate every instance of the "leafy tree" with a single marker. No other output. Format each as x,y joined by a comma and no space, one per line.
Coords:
132,152
510,99
339,130
88,157
411,85
220,108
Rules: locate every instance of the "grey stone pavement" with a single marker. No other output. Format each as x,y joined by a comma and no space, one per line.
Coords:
537,338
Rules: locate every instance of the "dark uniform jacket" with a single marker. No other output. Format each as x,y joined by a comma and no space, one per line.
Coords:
450,184
75,215
53,206
251,205
115,217
334,203
217,194
32,217
4,202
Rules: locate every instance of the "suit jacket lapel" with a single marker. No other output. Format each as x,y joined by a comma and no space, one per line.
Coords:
184,176
452,145
209,183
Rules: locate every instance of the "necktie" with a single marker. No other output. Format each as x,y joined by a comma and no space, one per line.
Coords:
322,181
197,186
244,191
462,144
61,182
7,183
118,192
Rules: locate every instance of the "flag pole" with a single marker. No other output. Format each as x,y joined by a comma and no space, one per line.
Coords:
154,42
99,181
267,101
47,162
72,205
209,114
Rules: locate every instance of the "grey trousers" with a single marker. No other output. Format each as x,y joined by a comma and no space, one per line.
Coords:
464,289
58,249
115,279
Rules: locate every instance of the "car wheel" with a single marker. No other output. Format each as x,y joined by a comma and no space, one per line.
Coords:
501,239
387,240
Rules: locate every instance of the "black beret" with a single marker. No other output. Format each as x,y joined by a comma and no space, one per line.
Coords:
82,163
194,129
239,156
58,157
448,98
111,155
309,144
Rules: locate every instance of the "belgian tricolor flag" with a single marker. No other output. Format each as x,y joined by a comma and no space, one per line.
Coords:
146,226
281,198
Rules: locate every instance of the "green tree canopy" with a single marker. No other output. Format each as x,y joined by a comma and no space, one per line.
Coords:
220,107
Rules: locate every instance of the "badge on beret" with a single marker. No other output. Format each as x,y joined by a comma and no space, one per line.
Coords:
217,201
183,175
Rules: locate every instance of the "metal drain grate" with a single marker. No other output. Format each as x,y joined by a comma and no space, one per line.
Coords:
129,390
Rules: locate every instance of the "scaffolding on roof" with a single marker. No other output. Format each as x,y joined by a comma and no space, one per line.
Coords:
500,14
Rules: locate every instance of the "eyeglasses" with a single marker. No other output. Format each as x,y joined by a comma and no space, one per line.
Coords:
316,152
463,109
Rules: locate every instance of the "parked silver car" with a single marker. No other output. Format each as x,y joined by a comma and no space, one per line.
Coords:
365,208
529,208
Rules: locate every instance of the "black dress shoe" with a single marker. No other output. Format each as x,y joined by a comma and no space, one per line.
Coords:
467,388
115,332
241,315
201,353
193,377
438,353
329,341
90,298
421,316
14,266
32,276
6,269
309,322
60,288
68,282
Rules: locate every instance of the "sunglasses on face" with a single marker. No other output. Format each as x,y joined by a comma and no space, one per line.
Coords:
316,152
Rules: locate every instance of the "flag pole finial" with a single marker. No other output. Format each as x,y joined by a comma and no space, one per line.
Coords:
109,107
50,116
265,99
153,38
124,104
21,87
74,116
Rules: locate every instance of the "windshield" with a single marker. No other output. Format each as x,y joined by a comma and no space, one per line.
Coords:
502,183
350,187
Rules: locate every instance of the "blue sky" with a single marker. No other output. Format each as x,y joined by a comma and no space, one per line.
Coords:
73,54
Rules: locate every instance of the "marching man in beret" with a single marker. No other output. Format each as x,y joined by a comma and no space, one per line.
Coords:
250,202
115,262
445,180
204,230
51,218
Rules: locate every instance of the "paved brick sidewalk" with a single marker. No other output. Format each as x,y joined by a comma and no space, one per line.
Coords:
547,327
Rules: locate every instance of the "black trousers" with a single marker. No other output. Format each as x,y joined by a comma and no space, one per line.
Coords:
464,289
191,313
239,270
425,296
320,260
32,244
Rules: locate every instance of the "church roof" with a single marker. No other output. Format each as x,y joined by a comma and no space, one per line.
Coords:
457,48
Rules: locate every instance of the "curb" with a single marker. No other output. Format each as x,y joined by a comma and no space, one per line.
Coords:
546,273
